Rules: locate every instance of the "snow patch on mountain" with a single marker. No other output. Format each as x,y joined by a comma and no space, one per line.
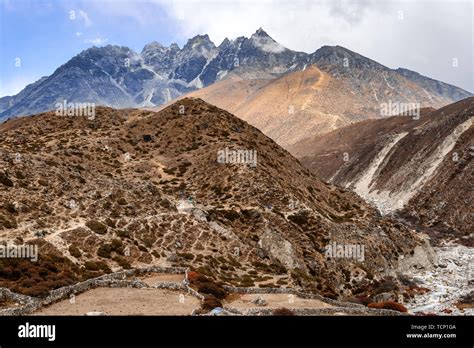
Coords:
181,70
267,45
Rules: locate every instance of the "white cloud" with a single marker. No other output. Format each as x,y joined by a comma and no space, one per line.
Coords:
96,41
268,45
85,17
419,35
142,11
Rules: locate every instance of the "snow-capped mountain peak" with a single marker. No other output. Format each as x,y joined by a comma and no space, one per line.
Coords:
119,77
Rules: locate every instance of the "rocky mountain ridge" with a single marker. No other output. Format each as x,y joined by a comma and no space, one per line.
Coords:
120,77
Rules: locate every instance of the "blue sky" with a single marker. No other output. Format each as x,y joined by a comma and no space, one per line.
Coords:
422,35
46,34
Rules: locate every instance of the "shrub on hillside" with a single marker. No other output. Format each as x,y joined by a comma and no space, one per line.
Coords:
7,223
5,180
123,233
105,251
283,312
207,286
97,266
96,226
246,283
388,305
210,302
193,276
74,251
122,262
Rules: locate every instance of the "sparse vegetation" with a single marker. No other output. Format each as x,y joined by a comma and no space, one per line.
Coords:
210,302
51,271
300,218
105,250
74,251
388,305
283,312
97,226
122,262
5,180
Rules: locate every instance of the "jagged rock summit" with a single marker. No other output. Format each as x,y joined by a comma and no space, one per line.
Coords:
119,77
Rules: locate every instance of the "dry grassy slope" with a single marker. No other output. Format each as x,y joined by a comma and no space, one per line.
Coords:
289,108
96,189
322,98
439,203
323,154
230,93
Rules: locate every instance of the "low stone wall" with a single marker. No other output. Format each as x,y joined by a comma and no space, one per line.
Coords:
18,311
240,290
26,303
328,311
342,311
29,304
160,269
10,295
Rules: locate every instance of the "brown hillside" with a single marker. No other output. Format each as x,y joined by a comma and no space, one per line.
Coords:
133,187
422,166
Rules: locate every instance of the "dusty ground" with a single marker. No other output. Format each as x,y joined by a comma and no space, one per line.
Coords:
129,301
125,301
273,301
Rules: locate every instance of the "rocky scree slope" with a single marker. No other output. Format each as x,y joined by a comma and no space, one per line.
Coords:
419,168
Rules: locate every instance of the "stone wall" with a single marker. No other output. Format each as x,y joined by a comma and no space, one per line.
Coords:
29,304
289,291
342,311
26,303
